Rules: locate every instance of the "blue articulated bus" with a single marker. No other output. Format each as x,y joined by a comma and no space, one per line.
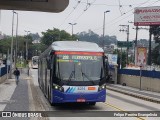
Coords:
73,71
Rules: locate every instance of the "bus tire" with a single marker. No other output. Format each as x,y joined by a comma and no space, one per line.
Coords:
92,103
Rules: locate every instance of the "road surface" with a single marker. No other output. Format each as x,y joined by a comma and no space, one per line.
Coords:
27,96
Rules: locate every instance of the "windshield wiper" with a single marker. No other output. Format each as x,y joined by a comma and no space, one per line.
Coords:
70,77
59,72
83,74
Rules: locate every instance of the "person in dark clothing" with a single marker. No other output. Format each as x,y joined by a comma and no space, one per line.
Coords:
17,74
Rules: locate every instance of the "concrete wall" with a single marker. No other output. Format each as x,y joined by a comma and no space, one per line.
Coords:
147,83
3,78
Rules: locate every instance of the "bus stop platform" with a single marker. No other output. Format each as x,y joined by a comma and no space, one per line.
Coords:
135,92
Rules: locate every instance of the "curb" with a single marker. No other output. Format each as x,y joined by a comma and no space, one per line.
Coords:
146,98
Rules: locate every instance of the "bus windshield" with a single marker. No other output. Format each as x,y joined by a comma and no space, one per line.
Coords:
80,66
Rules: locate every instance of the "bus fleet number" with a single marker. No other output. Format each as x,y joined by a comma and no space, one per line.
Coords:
81,88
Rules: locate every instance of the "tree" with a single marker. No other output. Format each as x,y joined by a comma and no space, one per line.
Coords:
121,60
156,55
37,48
55,35
34,36
5,45
90,36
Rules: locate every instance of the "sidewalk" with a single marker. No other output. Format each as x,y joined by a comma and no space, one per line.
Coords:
135,92
15,97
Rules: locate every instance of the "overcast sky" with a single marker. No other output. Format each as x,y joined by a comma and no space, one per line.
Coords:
87,17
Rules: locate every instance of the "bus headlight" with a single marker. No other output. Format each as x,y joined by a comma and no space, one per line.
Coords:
57,87
102,87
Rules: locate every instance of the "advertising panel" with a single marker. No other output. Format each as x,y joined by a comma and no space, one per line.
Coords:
145,16
112,59
141,56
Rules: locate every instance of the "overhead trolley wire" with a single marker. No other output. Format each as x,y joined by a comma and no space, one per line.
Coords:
133,13
112,21
87,7
74,8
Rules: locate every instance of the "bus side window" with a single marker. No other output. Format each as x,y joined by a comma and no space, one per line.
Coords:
52,62
48,62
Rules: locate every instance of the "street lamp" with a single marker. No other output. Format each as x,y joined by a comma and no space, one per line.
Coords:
27,45
72,27
16,39
104,26
11,60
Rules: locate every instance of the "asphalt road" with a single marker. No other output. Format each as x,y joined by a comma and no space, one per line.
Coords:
114,102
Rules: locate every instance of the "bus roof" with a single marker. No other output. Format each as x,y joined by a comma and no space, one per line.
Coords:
76,46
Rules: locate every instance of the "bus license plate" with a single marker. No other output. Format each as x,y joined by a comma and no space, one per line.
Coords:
81,100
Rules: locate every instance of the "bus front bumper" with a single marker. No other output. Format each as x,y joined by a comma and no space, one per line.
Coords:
60,97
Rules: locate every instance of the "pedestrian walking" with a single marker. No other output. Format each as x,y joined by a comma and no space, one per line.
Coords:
17,74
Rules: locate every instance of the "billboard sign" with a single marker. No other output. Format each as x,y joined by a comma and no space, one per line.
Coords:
141,56
145,16
112,59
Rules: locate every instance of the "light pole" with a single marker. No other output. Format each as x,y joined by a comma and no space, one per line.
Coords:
72,27
16,39
127,31
11,46
27,45
135,43
104,26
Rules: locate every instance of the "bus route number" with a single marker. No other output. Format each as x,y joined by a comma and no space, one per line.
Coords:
65,57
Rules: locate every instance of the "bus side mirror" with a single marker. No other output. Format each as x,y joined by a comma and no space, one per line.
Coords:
106,68
106,63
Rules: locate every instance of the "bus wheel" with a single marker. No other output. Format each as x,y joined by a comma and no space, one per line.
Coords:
92,103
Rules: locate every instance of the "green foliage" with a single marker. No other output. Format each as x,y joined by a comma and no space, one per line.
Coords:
34,36
90,36
37,49
5,45
156,55
55,35
21,63
121,58
33,49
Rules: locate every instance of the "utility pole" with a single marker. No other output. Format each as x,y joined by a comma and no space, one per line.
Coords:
127,31
11,60
135,42
104,26
27,45
149,51
16,39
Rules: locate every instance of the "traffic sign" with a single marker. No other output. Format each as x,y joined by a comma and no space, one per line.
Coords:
124,44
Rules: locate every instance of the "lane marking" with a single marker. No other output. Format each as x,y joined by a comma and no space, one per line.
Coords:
117,108
142,97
